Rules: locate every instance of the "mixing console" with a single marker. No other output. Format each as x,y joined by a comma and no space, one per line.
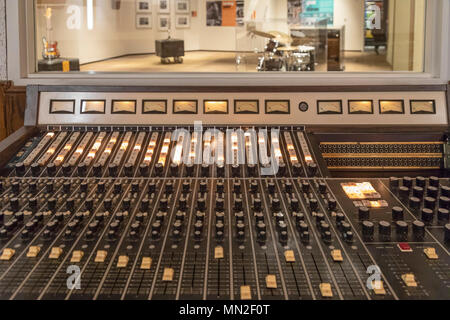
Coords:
219,213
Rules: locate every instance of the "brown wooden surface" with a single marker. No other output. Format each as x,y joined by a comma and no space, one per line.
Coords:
12,108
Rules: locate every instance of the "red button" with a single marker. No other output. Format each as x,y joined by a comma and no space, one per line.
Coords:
404,247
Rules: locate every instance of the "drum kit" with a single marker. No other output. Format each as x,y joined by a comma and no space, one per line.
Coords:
280,53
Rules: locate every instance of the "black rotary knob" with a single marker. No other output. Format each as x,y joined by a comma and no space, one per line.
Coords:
444,202
99,216
144,169
397,213
262,236
240,236
35,169
326,236
345,227
384,228
421,181
168,188
159,169
190,170
201,204
283,237
363,213
238,204
163,204
276,204
414,203
319,218
200,216
251,170
220,216
198,226
394,183
288,187
368,229
313,204
427,215
257,204
332,204
82,169
135,187
279,216
348,236
126,204
151,188
182,204
220,187
271,187
203,187
401,228
261,226
237,188
220,169
340,217
107,204
434,181
32,187
33,203
174,169
51,204
447,233
14,203
254,187
324,226
445,191
20,169
220,227
295,206
443,214
281,169
15,187
70,204
66,187
235,171
407,182
128,169
25,234
304,237
302,227
113,170
403,192
117,187
297,170
51,169
312,169
306,186
429,203
66,169
186,187
97,169
322,187
259,216
418,229
220,204
84,187
219,236
205,170
239,217
418,192
432,191
49,187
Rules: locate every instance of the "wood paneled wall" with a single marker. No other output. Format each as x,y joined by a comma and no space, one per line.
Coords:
12,108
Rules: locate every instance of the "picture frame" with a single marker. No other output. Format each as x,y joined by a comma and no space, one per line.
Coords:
182,21
182,6
163,22
143,6
163,6
144,21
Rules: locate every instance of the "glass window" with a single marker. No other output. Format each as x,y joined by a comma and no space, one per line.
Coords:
139,36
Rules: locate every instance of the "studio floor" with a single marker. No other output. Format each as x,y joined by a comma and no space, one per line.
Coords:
213,61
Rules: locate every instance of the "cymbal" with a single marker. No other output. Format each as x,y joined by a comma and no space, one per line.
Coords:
281,37
289,48
262,34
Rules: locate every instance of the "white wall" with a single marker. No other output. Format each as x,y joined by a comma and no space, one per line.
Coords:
3,58
351,14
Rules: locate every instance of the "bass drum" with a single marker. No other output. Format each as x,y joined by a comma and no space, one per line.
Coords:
270,63
299,62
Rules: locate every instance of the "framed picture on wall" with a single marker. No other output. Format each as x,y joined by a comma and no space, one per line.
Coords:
182,21
163,22
163,6
182,6
143,6
143,21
